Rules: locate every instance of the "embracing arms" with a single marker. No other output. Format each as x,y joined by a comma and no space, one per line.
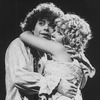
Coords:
52,47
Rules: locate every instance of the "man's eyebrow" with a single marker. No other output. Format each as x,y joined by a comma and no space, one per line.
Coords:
42,19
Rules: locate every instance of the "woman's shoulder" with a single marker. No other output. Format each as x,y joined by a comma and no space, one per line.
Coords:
54,60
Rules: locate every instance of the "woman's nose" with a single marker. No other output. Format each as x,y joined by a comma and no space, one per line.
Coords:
53,34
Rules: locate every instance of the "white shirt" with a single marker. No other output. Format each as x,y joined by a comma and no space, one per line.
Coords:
21,80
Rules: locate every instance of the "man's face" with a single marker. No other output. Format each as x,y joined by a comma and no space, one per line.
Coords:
43,29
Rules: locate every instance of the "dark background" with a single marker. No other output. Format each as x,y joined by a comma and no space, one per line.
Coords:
14,11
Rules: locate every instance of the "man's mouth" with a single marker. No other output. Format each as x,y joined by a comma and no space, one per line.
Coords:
47,36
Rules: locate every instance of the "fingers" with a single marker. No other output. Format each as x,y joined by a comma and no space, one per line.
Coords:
69,49
73,52
76,56
74,87
68,89
71,93
67,46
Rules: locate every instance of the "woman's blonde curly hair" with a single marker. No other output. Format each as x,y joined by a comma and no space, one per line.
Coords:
76,30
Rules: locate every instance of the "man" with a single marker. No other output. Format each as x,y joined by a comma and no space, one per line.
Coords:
23,64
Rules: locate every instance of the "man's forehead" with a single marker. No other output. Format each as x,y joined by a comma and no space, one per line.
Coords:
47,21
44,19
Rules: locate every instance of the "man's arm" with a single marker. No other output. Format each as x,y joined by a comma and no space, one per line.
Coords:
88,69
19,65
67,89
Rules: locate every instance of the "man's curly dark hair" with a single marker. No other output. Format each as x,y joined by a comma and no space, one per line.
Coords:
46,11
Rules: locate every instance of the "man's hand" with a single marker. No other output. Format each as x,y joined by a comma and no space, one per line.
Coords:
73,53
67,89
88,69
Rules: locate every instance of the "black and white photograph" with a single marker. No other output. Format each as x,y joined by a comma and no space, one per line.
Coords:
49,50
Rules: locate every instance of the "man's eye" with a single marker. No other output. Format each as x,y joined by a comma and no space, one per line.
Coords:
60,33
42,22
52,25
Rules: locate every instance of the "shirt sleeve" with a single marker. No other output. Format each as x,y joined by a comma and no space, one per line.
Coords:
86,73
49,84
20,71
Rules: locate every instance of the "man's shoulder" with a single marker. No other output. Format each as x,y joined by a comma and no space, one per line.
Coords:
16,43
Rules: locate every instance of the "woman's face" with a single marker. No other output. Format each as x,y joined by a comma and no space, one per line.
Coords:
57,36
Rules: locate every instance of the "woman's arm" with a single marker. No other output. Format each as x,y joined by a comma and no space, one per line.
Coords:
41,43
54,48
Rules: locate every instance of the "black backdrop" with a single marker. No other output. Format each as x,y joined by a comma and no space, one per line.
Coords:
14,11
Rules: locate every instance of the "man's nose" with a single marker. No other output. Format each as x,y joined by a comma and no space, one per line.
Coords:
46,28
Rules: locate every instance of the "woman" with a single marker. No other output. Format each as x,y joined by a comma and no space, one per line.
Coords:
73,31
